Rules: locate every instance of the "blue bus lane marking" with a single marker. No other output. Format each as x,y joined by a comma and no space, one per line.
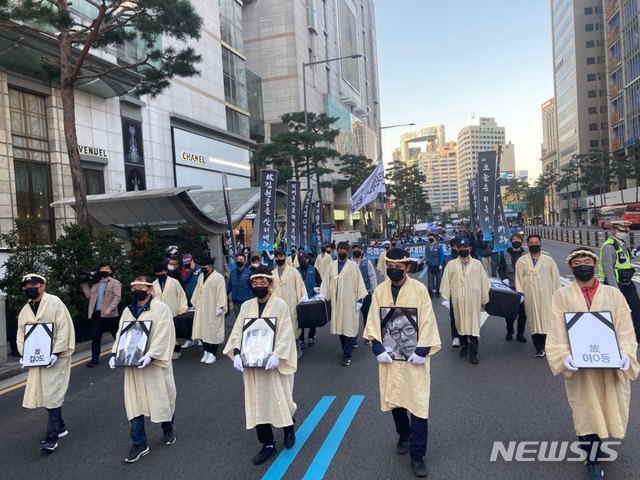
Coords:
323,458
287,456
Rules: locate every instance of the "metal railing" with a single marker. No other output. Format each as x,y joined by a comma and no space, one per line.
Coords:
584,236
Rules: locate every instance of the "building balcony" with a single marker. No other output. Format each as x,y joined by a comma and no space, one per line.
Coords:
613,91
611,8
615,144
613,63
613,35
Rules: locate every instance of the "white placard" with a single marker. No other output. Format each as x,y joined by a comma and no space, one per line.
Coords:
38,342
592,338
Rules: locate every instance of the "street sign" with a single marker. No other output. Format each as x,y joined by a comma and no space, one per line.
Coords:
517,206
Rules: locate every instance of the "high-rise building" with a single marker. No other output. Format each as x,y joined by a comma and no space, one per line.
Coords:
281,36
622,20
549,156
440,167
484,136
580,87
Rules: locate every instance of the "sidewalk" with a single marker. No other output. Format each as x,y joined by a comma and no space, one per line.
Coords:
12,374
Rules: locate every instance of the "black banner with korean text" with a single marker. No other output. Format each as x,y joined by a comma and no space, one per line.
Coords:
293,213
267,209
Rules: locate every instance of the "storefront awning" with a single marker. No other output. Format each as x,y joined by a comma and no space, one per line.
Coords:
27,52
169,208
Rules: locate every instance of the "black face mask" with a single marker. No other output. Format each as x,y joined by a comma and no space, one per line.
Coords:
535,248
393,244
240,264
357,254
516,245
139,295
293,252
303,263
327,252
31,292
454,254
104,274
161,276
463,253
280,261
260,292
342,257
584,273
431,240
387,247
395,274
205,270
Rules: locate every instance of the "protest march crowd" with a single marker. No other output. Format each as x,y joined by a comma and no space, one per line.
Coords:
280,299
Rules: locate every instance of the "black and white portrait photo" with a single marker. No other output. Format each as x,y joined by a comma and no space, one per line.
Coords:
258,341
399,331
133,343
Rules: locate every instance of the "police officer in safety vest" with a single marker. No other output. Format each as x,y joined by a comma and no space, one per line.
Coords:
615,269
312,281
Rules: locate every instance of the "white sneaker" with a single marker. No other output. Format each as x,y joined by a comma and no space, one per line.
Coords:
211,359
176,355
187,344
198,343
455,343
204,358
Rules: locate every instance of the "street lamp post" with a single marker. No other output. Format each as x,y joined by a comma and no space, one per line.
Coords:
304,100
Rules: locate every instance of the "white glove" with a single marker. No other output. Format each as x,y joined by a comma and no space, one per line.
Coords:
112,363
384,357
219,312
506,281
440,267
320,297
144,361
625,362
569,364
521,298
316,290
21,362
416,359
446,304
358,306
272,363
304,299
52,360
237,363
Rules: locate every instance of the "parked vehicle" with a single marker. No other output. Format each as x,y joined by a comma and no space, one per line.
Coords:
629,212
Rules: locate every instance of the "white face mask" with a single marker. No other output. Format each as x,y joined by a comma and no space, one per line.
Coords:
623,236
255,265
171,268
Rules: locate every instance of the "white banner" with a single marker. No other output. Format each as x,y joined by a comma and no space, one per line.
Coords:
370,189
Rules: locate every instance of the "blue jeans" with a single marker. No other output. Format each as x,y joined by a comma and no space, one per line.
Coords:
139,436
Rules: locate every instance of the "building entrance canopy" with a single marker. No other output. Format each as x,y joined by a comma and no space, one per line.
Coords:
169,208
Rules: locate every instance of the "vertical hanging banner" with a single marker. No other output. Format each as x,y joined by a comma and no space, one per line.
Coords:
318,224
487,175
293,212
306,219
501,226
227,209
473,205
267,210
